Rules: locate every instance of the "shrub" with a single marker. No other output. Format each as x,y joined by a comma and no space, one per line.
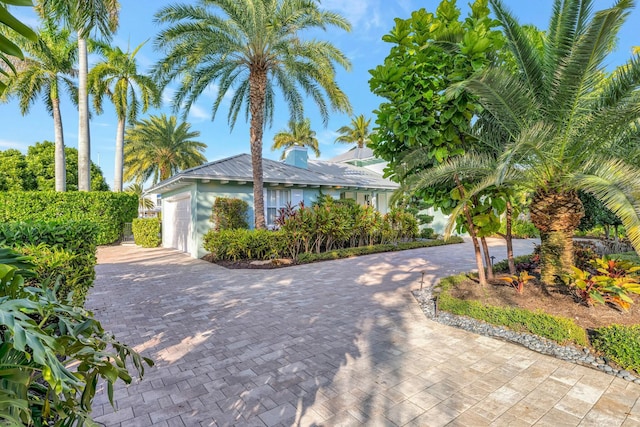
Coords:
620,343
38,386
232,245
428,233
109,211
146,232
503,266
229,214
559,329
59,249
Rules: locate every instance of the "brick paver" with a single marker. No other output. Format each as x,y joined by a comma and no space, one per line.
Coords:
333,343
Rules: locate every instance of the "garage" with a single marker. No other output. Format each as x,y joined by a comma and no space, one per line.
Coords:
176,222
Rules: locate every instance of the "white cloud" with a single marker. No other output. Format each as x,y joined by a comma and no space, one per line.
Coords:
6,144
363,14
198,113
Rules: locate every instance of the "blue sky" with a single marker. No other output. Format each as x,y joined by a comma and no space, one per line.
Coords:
371,19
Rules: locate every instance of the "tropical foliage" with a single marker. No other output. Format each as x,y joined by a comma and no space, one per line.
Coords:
253,47
117,77
44,74
144,203
11,27
299,134
159,147
357,132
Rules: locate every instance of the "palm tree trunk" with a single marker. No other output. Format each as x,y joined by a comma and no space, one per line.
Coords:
474,236
84,144
509,237
556,214
117,177
257,91
60,162
487,258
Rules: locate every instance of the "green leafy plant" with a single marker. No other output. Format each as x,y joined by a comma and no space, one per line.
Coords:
620,343
229,214
107,211
518,281
52,354
612,282
146,232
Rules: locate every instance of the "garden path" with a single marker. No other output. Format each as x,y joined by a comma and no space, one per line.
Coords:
334,343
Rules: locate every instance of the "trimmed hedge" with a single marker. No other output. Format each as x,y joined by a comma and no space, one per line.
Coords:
109,211
64,250
238,244
229,214
556,328
374,249
620,343
146,232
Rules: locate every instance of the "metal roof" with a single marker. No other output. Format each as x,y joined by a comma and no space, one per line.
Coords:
238,168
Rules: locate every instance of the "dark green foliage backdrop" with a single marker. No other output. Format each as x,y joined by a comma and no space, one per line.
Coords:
108,211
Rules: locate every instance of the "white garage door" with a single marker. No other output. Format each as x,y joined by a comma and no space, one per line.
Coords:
176,222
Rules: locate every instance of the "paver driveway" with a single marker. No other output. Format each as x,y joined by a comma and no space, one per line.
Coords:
334,343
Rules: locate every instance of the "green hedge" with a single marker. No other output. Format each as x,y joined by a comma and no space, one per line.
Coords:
146,232
109,211
620,343
229,214
64,250
374,249
238,244
556,328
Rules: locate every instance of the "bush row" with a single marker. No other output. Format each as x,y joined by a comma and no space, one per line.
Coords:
60,250
619,343
146,232
109,211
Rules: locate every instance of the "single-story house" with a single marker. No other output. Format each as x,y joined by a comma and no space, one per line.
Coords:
187,197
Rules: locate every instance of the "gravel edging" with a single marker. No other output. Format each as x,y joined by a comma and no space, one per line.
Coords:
584,357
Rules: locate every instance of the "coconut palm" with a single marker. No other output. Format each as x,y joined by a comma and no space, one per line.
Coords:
47,70
356,132
117,77
566,125
144,203
159,147
252,47
299,134
84,17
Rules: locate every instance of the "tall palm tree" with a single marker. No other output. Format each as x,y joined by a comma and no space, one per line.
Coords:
117,77
48,68
299,134
565,124
144,203
84,17
158,147
356,132
252,47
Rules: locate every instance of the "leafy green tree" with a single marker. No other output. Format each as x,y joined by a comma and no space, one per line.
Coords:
159,147
421,124
84,17
40,163
299,134
596,213
14,175
254,47
43,74
117,77
356,132
11,27
566,121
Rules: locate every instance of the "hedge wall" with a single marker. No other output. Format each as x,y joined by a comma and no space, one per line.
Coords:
109,211
146,232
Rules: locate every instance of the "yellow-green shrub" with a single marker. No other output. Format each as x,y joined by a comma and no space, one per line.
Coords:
146,232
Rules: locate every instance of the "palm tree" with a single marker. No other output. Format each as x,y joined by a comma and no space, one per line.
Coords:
48,68
356,132
9,51
299,134
83,17
565,124
252,47
117,77
45,72
158,147
144,203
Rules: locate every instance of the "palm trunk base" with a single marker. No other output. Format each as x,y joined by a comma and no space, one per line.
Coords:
556,256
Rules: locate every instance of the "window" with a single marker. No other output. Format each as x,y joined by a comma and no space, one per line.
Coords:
276,199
